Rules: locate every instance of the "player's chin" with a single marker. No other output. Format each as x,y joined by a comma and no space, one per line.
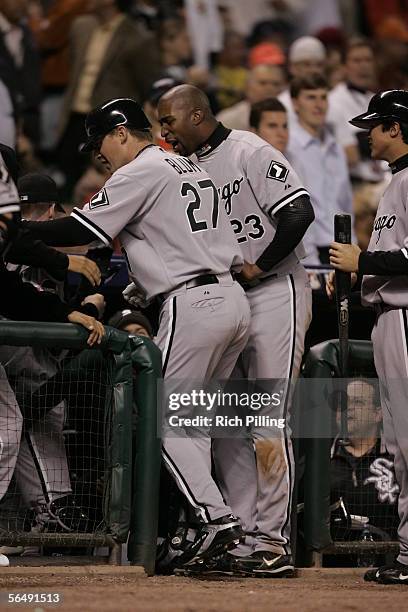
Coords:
179,148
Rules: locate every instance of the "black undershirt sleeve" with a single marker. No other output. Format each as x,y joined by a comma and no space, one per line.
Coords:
383,263
64,232
293,221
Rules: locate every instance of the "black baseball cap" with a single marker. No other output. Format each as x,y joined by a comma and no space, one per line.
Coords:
126,317
34,188
106,117
160,87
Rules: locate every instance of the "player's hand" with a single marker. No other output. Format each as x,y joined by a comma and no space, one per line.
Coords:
344,257
135,296
250,272
95,328
86,267
98,300
331,283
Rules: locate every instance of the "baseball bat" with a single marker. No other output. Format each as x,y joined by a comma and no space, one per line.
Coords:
342,234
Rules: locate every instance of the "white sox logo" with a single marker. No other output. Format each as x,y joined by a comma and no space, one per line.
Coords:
384,480
384,222
344,311
277,171
99,199
228,191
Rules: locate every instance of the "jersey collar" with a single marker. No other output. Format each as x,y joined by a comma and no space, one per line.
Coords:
399,164
217,137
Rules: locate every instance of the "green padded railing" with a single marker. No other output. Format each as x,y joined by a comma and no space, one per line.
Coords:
131,495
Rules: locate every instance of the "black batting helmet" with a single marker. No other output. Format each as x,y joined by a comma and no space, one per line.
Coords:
386,105
106,117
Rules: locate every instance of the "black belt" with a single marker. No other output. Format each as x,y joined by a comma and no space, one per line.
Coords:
380,308
247,285
204,279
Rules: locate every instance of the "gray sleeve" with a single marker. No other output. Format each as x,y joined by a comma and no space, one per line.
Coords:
113,207
273,180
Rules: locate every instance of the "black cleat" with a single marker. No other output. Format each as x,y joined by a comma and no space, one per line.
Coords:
265,564
223,565
397,573
213,539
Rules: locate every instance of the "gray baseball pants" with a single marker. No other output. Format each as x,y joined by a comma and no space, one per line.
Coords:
201,334
390,344
256,474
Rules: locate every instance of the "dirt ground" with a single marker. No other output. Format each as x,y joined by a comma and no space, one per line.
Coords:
114,590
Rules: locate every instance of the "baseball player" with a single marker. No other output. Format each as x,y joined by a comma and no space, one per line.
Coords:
178,244
270,211
384,268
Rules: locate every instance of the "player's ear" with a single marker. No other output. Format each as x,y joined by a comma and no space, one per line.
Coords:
197,116
395,130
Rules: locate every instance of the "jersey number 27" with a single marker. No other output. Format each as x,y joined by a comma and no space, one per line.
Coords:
206,189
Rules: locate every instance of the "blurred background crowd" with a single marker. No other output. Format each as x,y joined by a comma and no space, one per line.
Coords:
60,58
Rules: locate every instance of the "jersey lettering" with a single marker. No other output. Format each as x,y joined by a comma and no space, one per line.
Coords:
384,222
194,205
229,190
183,165
256,229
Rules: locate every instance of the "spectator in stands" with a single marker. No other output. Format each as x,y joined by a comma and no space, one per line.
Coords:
306,56
362,472
112,56
7,119
175,47
269,120
392,53
20,67
349,99
264,81
320,162
133,322
205,30
52,35
230,70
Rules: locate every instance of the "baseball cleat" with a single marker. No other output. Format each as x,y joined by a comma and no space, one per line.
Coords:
223,565
397,573
266,564
172,550
215,538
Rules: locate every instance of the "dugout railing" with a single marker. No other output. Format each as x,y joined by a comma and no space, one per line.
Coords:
314,417
110,435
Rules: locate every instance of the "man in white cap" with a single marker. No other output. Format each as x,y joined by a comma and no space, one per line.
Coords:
306,56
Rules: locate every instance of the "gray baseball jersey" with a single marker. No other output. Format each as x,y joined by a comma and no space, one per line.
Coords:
9,197
390,233
167,214
255,181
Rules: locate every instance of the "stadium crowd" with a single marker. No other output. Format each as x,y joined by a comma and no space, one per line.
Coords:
291,71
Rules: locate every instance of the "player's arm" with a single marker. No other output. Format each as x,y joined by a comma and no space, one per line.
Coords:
281,195
292,223
349,258
66,232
